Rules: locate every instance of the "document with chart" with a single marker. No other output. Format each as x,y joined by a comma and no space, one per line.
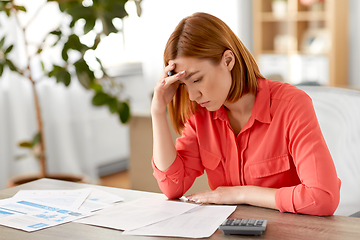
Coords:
71,199
84,199
29,215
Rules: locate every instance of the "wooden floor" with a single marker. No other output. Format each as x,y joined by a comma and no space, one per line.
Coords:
119,180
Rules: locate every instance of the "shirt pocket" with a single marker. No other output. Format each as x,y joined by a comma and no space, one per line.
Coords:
209,160
269,167
214,169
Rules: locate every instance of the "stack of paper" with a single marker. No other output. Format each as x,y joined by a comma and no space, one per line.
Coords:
160,217
34,210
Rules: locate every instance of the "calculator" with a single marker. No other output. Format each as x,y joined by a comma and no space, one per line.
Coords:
243,226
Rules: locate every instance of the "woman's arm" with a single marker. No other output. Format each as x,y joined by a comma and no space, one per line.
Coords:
164,152
252,195
319,191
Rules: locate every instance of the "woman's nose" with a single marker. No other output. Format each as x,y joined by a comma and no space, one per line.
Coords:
194,94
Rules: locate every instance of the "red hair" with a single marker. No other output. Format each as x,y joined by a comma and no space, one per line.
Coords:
204,36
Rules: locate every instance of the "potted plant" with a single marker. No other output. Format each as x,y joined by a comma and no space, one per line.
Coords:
90,12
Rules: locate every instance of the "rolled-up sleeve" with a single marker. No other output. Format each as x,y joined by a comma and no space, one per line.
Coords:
319,191
180,176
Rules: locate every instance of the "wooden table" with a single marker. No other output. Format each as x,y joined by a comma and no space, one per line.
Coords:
280,225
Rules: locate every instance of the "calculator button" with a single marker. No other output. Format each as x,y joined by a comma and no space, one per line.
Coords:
251,222
259,222
244,222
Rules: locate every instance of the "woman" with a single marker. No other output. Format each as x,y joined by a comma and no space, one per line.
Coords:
258,140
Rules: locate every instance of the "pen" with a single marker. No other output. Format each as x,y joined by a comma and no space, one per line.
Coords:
170,73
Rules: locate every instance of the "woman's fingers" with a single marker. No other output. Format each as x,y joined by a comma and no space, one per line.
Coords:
165,89
221,195
172,79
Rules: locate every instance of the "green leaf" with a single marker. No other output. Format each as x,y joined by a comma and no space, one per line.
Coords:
64,77
55,71
21,8
10,65
56,32
61,75
115,8
1,69
25,144
9,49
64,54
36,139
84,79
108,26
84,74
2,41
90,24
100,99
124,112
3,4
79,11
113,104
97,87
74,43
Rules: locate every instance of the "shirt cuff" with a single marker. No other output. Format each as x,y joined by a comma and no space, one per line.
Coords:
284,199
171,173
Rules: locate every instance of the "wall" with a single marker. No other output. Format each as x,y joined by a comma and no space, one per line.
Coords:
354,46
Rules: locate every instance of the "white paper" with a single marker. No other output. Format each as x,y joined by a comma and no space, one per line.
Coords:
137,213
29,215
104,197
99,200
71,199
91,206
200,223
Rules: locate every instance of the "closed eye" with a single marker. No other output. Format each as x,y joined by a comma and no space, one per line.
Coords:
198,80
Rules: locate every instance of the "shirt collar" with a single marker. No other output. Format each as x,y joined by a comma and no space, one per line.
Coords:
220,114
261,108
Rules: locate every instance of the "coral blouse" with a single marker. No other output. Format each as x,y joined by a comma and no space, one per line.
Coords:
281,146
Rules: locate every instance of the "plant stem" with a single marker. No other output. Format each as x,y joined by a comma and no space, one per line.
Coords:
42,155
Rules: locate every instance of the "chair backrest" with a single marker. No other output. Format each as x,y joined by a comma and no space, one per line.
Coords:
338,113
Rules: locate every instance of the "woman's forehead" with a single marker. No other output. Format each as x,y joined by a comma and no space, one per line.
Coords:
190,64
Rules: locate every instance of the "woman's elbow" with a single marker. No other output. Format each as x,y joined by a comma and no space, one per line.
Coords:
331,203
325,203
172,195
171,191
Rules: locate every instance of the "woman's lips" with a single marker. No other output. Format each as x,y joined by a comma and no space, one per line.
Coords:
203,104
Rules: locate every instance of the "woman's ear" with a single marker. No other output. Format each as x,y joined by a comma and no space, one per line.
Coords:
228,59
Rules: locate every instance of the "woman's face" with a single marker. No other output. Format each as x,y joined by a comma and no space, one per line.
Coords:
207,83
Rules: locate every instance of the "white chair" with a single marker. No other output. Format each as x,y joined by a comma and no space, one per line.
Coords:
338,113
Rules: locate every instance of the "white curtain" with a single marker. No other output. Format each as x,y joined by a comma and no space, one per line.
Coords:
68,119
78,136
